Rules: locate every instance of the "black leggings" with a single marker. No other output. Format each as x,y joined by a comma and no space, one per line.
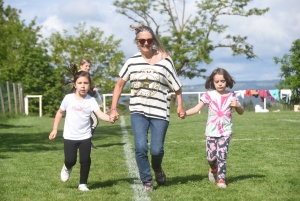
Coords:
84,146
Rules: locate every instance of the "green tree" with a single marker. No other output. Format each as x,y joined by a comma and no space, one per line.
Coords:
290,70
24,59
89,43
189,39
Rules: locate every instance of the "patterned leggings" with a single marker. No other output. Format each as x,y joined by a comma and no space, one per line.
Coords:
216,151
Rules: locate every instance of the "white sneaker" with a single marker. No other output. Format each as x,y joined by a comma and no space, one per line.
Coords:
65,173
83,187
212,175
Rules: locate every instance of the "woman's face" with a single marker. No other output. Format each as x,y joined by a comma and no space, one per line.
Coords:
145,41
85,67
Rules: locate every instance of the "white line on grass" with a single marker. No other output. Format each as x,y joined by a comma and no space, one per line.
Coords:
131,165
233,139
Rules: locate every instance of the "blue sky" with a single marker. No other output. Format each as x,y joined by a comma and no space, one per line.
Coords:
271,34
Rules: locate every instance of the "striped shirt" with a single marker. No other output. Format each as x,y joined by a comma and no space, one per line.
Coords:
150,86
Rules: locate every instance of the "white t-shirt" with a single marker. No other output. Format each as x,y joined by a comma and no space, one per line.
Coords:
150,86
78,112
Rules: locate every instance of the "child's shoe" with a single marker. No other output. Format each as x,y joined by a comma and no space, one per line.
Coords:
212,175
65,173
83,187
221,184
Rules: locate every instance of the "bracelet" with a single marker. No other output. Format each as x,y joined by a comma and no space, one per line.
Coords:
111,109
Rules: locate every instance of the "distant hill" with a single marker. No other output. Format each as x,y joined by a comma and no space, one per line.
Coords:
239,85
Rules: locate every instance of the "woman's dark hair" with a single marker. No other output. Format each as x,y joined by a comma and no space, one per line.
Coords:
142,28
209,84
78,75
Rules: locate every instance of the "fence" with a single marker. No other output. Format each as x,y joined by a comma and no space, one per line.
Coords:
11,98
105,107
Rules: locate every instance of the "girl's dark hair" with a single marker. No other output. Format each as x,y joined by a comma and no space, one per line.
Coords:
78,75
209,84
142,28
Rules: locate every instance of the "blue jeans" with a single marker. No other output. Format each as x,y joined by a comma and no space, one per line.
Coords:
140,125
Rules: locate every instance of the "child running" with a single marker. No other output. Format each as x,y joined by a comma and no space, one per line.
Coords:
219,124
77,128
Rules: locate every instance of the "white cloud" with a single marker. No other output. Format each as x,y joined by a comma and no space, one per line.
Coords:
51,25
80,10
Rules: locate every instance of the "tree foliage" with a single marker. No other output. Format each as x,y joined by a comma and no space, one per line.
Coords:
90,43
189,39
24,59
290,69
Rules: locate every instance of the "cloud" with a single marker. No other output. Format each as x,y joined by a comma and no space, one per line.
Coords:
52,24
80,10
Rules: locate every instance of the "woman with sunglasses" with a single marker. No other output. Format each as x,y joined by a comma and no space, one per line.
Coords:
152,76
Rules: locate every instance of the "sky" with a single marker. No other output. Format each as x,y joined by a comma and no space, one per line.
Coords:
271,34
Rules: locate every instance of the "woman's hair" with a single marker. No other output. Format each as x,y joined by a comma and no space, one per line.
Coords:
78,75
209,84
84,60
142,28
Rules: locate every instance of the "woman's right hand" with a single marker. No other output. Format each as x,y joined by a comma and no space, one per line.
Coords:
114,113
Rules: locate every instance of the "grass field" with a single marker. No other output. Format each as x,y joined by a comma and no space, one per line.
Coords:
263,161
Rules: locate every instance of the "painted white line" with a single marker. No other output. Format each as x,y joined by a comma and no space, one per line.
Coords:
132,167
290,120
233,139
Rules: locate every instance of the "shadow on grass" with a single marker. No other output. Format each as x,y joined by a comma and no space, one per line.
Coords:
170,181
24,141
3,126
243,177
109,145
109,183
184,180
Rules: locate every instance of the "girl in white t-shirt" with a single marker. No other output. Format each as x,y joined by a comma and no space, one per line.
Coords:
77,128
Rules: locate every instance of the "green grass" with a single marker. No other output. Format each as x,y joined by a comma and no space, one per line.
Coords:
263,161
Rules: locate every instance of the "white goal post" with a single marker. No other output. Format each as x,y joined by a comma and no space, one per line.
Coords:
33,96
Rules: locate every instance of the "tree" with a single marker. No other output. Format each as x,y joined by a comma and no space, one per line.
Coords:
89,43
290,70
188,39
25,60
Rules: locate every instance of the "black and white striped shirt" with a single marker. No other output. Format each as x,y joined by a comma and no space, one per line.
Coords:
150,86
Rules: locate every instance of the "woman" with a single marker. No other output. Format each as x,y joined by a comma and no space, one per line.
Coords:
152,76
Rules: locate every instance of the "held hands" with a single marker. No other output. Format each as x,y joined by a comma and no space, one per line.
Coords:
114,115
181,112
112,118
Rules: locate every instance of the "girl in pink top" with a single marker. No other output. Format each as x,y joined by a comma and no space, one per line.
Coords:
219,124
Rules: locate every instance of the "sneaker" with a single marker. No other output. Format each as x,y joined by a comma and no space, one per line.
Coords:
221,184
65,173
212,175
93,147
160,177
148,187
83,187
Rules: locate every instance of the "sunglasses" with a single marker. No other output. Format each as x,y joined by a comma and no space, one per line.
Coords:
142,41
